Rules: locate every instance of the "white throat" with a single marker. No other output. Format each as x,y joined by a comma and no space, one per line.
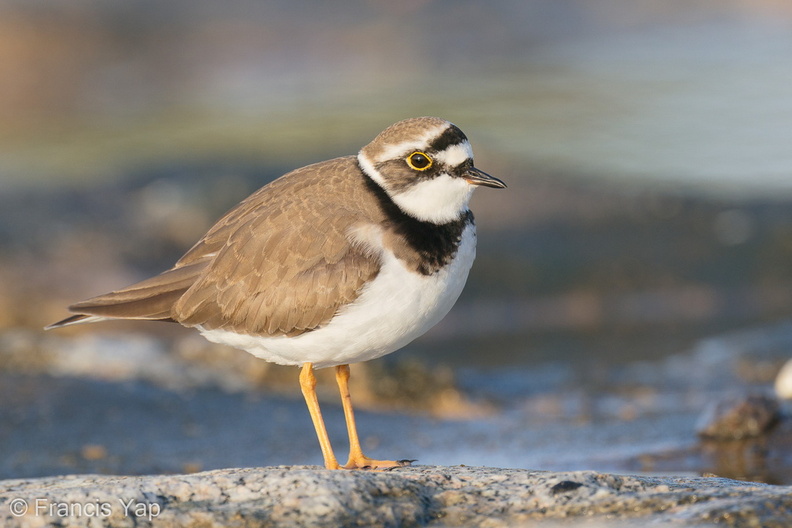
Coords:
439,200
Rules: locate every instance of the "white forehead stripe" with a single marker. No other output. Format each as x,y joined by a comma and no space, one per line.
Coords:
455,154
421,142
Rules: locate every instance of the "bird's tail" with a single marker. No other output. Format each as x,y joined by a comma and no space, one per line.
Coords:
149,300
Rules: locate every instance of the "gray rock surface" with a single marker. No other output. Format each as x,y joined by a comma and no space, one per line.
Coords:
415,496
738,417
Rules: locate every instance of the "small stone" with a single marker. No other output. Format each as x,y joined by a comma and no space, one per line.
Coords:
93,452
192,467
737,417
783,382
565,486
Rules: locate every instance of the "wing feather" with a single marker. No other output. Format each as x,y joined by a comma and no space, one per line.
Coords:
279,263
288,267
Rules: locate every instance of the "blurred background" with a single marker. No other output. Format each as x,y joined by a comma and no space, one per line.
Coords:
636,270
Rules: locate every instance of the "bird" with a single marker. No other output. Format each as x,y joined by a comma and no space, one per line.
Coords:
334,263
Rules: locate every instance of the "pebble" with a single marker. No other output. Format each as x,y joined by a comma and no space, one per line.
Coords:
738,417
783,382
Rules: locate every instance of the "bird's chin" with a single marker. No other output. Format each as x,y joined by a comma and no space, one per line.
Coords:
439,200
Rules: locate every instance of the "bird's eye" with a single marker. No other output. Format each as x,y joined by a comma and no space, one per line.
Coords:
419,161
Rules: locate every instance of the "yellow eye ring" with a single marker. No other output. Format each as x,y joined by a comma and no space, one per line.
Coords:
419,161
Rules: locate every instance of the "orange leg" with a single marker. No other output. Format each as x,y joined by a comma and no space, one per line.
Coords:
357,460
308,386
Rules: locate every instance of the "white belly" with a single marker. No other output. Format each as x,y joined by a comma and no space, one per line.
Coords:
395,308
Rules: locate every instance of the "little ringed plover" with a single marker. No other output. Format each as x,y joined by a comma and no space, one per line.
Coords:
338,262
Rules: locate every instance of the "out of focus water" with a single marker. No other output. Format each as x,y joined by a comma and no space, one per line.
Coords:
692,95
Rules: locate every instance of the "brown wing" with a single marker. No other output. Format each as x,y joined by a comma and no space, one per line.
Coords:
286,264
280,263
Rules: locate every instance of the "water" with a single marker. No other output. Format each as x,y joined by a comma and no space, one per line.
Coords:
702,108
691,97
155,407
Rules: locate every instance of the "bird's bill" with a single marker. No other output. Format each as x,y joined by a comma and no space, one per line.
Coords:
475,176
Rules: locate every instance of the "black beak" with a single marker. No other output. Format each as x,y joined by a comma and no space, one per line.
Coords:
475,176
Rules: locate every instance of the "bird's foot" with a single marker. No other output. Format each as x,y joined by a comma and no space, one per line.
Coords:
364,462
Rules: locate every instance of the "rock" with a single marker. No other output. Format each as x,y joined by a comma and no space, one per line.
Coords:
783,381
738,417
415,496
